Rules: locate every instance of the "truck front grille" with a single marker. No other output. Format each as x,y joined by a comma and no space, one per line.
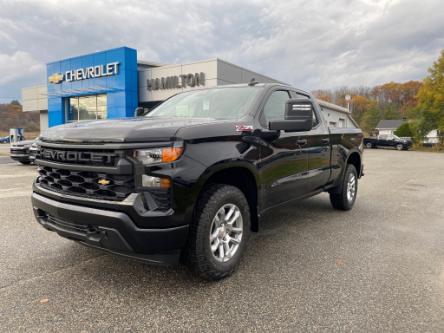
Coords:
19,151
86,183
75,156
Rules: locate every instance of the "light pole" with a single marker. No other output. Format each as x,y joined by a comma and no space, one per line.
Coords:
348,98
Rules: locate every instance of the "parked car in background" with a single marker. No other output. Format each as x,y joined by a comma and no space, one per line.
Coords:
24,151
387,140
5,139
33,151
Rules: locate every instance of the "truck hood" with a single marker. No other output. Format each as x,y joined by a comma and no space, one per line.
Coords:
23,143
121,130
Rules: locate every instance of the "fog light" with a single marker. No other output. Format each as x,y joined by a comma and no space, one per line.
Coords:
159,182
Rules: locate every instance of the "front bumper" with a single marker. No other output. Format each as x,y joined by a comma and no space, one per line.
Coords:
20,155
20,158
111,230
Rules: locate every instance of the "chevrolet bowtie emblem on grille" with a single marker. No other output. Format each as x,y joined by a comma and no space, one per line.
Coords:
55,78
103,181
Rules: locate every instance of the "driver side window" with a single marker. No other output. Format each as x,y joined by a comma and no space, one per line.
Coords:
274,108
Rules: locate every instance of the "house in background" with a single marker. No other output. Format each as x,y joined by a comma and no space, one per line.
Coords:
432,138
388,127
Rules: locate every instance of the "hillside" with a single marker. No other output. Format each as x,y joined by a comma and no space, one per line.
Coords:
11,115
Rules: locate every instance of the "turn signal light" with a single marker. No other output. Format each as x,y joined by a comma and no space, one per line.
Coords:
171,154
159,182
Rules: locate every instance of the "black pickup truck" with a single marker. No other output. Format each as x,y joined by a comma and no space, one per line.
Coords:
190,180
385,140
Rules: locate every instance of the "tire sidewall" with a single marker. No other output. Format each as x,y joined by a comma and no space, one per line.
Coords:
350,170
225,195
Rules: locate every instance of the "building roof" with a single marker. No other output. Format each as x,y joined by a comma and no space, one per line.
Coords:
149,64
389,124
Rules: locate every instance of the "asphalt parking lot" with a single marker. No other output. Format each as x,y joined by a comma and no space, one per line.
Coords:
377,268
4,149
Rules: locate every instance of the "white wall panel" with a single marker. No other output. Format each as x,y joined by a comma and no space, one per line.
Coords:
35,98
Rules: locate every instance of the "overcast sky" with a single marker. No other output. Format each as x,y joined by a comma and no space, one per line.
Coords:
310,44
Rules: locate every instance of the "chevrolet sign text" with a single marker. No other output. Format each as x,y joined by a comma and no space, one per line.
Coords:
91,72
75,156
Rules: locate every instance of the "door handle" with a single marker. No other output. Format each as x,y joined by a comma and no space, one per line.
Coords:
325,141
301,142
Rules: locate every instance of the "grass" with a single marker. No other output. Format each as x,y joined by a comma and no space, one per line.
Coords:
433,149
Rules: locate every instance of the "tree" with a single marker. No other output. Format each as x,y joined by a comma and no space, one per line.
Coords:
15,102
360,105
325,95
431,98
400,96
391,112
370,119
404,130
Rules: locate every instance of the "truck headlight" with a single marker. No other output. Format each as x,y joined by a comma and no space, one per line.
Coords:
158,155
34,147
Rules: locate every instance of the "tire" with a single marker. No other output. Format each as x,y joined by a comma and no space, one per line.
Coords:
340,197
207,230
369,145
25,162
400,146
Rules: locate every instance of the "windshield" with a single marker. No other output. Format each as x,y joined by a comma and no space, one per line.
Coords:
218,103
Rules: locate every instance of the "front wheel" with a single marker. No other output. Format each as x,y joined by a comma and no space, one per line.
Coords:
344,196
400,146
369,145
219,233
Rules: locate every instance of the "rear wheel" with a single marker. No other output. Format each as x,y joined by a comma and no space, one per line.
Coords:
369,145
344,196
400,146
219,233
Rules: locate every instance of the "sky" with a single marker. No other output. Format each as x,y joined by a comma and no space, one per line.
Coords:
316,44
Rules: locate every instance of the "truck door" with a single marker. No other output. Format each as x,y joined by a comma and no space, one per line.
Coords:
318,149
391,142
284,161
319,153
383,140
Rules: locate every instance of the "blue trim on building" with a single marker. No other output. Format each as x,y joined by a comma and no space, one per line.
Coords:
121,88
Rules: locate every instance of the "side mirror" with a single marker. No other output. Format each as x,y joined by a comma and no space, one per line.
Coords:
298,116
139,112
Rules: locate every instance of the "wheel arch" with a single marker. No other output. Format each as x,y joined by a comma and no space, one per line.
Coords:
355,159
243,175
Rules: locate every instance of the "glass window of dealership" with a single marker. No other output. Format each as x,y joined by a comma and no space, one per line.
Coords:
113,83
90,107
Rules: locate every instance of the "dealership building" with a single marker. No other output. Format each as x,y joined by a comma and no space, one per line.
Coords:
113,83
